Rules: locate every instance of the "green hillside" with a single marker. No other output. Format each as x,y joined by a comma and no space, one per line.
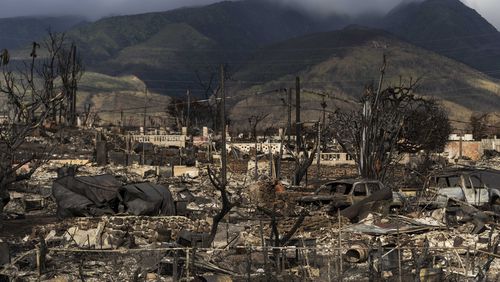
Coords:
341,63
165,49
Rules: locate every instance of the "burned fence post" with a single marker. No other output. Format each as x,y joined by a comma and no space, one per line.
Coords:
399,253
249,262
175,265
329,268
380,254
264,250
193,261
283,258
467,262
340,247
186,264
101,151
41,252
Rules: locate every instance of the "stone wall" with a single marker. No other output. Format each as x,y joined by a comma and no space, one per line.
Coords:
470,149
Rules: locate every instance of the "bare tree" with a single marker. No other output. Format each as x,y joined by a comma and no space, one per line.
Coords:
177,108
211,92
32,96
70,70
375,134
254,121
208,81
426,127
479,125
61,62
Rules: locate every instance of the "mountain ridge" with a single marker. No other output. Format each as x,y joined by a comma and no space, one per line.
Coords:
349,59
449,28
20,31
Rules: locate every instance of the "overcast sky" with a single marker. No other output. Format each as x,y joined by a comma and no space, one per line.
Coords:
93,9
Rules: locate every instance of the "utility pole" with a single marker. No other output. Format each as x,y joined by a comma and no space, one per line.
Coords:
271,167
253,125
145,110
460,145
121,119
289,104
298,125
188,110
223,128
144,124
324,105
318,154
74,86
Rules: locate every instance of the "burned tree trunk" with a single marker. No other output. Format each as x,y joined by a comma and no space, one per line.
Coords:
32,98
226,204
303,162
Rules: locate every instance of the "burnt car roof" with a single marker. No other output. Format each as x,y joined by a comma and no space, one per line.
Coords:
350,181
455,172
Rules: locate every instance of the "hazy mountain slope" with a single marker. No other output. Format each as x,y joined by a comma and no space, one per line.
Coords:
450,28
20,31
342,62
166,48
109,96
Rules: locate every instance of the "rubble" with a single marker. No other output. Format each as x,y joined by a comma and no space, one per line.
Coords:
135,222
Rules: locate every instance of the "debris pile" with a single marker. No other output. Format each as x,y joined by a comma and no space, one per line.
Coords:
155,221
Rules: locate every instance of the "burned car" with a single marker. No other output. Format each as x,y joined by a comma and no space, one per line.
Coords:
463,185
343,193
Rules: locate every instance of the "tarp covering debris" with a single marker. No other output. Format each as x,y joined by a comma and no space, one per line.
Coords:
147,199
86,195
104,194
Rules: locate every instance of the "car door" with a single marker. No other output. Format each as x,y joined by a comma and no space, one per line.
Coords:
478,194
451,186
359,192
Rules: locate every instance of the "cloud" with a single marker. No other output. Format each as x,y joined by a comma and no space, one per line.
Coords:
94,9
487,8
350,7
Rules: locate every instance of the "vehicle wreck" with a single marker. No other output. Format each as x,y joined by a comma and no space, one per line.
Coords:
354,196
462,185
